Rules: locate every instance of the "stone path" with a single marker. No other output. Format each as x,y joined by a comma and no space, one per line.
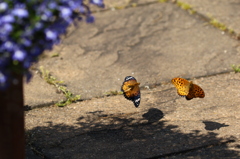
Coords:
154,42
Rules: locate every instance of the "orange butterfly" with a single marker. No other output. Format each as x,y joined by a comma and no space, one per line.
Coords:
131,90
188,89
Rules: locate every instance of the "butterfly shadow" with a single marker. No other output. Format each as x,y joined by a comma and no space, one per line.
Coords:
210,125
153,115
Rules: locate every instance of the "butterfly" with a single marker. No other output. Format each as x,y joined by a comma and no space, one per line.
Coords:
187,89
131,90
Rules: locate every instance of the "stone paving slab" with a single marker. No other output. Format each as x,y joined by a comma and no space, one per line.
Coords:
153,43
164,126
226,12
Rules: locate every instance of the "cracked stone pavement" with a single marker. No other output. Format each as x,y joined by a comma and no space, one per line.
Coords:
154,42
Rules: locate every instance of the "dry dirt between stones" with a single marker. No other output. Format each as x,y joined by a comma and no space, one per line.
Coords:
154,43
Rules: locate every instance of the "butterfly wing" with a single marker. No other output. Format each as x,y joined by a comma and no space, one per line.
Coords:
127,86
195,92
136,95
182,86
131,90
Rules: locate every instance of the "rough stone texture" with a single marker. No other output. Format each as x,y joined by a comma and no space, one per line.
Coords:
165,123
226,12
154,43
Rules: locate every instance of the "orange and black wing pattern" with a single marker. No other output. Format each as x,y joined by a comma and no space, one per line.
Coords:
187,89
131,90
195,92
182,86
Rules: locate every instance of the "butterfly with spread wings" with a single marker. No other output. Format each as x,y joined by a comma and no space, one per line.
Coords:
131,90
187,89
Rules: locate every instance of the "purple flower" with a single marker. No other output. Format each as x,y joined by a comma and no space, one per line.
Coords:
65,12
8,45
34,52
97,2
47,15
38,26
19,55
5,29
28,32
50,34
74,5
7,19
3,80
29,28
90,19
26,42
3,6
82,9
20,12
52,5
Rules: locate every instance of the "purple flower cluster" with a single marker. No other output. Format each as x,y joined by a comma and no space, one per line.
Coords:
29,27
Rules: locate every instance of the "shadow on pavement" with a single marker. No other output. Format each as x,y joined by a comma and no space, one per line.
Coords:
119,136
210,125
153,115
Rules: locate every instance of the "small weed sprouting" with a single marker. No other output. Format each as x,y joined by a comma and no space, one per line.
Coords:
48,78
55,54
119,7
69,96
236,68
214,22
113,93
58,84
217,24
186,6
134,4
231,31
162,1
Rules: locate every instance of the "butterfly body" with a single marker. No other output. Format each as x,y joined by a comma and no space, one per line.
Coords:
187,89
131,90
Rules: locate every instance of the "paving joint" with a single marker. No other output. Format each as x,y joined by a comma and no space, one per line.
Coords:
115,93
210,20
